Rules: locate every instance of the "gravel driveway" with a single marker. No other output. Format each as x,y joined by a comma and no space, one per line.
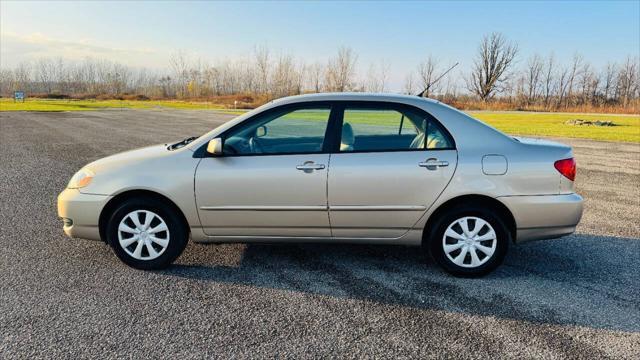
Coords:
575,297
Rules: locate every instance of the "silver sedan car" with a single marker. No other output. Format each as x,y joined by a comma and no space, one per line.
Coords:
347,168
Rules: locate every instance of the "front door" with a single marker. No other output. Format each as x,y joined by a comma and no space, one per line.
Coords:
393,163
271,179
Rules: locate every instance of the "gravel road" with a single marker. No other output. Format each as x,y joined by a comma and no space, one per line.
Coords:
576,297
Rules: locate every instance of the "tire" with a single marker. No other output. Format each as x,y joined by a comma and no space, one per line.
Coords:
155,248
457,259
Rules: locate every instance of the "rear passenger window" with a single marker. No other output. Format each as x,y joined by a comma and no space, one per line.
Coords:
379,129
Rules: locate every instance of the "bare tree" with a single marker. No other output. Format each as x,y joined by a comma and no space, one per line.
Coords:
86,73
58,70
589,82
539,82
574,71
316,72
549,69
22,76
165,85
193,83
299,82
428,75
45,74
385,67
409,84
118,78
341,71
179,64
7,81
563,77
533,77
609,79
377,77
285,77
261,55
490,69
450,89
628,82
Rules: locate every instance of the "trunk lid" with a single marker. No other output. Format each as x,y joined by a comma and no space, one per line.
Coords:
542,142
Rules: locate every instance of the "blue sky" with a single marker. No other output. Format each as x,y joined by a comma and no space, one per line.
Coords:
401,33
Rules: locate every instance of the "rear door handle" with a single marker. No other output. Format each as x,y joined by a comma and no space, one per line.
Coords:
309,166
433,163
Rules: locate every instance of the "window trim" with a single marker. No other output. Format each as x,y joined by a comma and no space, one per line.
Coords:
326,144
383,105
333,132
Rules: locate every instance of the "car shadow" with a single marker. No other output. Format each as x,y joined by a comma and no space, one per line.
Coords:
580,280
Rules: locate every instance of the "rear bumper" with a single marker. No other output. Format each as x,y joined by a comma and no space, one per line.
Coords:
544,216
80,213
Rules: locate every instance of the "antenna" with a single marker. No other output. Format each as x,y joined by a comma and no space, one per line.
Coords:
436,80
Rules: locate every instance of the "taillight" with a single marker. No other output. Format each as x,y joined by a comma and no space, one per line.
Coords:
566,167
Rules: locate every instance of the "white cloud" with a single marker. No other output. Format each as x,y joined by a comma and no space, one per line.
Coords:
15,48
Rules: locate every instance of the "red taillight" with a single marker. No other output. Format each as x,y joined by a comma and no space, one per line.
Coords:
566,167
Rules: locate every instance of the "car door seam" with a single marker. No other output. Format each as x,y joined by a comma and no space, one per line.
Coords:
327,196
453,174
195,196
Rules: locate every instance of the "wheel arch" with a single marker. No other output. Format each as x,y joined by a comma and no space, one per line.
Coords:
479,200
129,194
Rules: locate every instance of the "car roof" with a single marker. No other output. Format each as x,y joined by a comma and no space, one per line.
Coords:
467,132
354,96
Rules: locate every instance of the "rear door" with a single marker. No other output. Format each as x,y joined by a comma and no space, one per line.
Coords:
393,163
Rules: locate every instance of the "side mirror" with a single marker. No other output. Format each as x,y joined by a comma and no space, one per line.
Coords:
261,131
215,146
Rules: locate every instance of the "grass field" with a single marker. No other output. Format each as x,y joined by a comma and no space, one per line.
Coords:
553,124
515,123
87,105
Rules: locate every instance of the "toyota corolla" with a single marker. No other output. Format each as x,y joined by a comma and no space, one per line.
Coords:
346,168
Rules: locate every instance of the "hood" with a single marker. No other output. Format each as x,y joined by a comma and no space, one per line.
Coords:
142,168
129,157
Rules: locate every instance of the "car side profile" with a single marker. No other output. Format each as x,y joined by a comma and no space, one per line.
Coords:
347,168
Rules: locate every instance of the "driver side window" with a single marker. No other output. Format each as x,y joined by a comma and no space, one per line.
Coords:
293,131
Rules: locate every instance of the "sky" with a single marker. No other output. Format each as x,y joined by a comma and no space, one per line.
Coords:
402,34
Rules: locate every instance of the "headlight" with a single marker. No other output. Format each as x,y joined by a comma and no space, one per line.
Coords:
81,179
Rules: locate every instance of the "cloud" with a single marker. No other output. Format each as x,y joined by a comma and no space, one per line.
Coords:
16,48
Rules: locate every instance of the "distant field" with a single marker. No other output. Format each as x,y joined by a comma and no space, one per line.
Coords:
515,123
87,105
553,124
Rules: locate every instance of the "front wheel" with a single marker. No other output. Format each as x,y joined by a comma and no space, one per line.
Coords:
146,234
469,241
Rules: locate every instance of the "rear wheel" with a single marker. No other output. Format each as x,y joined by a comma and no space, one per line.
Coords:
469,241
146,233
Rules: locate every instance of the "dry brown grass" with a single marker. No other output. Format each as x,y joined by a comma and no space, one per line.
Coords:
237,101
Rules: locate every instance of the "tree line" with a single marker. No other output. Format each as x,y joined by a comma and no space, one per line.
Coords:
497,77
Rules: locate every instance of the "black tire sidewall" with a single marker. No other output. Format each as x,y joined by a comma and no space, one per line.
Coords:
437,252
177,230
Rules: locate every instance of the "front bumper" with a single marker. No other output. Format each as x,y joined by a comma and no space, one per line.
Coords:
544,216
80,213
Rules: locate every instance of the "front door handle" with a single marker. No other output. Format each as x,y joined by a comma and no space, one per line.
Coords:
433,163
309,166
